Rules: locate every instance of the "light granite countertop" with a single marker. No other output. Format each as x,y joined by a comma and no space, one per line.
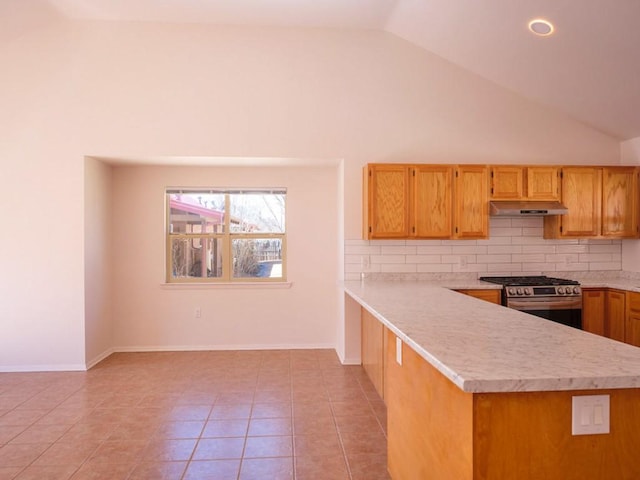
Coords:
620,281
483,347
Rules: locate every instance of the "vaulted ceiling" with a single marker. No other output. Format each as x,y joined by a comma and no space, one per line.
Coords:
589,68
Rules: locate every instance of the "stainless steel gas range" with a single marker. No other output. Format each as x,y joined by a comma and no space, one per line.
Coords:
555,299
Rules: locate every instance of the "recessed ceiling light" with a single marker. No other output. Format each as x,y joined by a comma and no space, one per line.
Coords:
541,27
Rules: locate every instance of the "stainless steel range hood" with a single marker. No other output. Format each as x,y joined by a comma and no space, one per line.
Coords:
531,208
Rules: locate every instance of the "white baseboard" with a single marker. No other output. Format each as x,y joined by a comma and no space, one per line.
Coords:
352,361
194,348
165,348
92,363
42,368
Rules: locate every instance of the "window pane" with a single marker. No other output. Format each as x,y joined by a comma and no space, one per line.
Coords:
196,213
187,256
253,212
257,258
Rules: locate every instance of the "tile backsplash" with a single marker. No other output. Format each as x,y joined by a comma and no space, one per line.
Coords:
515,246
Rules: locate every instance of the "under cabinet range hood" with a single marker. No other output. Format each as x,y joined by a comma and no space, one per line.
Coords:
530,209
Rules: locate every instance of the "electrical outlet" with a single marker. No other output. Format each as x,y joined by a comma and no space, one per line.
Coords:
462,262
198,312
365,262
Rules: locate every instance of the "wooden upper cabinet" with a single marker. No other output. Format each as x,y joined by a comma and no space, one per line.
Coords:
507,183
581,189
510,182
471,199
620,202
431,201
542,183
386,201
446,201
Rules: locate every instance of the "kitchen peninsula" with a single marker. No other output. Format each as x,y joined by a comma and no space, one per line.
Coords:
485,392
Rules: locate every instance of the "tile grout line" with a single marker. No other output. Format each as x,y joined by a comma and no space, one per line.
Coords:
341,440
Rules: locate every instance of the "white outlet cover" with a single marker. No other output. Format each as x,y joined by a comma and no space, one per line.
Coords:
590,415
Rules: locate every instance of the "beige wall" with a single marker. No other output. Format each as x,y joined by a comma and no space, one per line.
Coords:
630,151
20,17
144,90
98,260
149,315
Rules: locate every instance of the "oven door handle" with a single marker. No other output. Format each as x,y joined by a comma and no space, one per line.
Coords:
545,304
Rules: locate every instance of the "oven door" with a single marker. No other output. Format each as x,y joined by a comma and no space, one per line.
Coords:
564,310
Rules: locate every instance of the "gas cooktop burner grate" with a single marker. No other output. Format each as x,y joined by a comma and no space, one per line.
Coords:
528,281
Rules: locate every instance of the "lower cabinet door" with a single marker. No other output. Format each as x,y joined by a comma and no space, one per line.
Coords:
632,327
593,311
372,339
615,315
489,295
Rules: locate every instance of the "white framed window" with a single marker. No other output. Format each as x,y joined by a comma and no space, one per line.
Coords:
225,235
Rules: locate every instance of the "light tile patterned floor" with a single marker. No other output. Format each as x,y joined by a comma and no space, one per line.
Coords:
267,415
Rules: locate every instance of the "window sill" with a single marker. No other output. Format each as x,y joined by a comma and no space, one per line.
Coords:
220,285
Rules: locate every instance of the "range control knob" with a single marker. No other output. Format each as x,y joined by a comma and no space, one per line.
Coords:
527,291
561,290
519,290
512,291
576,290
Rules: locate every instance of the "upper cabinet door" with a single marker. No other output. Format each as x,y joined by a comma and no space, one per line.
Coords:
619,202
471,202
432,201
542,183
507,182
581,194
387,199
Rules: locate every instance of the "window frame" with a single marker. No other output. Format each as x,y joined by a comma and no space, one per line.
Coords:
226,237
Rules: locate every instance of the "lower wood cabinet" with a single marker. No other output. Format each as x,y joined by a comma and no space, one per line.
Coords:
632,326
490,295
612,313
373,342
437,431
615,315
593,310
